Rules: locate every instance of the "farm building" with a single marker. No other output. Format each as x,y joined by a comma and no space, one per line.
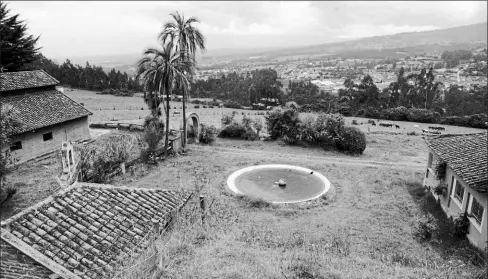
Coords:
465,178
48,116
83,230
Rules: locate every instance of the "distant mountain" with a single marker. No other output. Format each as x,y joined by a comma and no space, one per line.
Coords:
436,40
402,44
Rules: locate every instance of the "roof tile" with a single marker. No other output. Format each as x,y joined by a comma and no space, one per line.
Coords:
44,108
467,155
11,81
91,248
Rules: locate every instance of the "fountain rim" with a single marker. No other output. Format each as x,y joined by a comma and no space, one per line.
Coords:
232,186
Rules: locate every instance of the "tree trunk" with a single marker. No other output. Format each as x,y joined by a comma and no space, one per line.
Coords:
166,140
184,120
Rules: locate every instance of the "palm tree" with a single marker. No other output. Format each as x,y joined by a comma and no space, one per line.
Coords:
186,39
161,71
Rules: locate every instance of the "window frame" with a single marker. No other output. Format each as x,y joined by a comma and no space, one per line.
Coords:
13,146
455,198
474,221
44,136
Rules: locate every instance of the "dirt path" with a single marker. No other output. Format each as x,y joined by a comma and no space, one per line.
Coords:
317,159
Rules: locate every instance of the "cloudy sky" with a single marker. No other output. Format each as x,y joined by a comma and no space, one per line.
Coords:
70,29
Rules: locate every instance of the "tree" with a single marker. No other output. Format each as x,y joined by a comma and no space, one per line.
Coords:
186,39
16,47
162,71
9,125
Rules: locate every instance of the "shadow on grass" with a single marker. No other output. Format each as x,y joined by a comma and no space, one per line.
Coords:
443,238
254,202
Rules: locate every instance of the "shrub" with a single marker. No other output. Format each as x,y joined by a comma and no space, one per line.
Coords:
232,104
197,106
153,131
421,115
283,123
234,130
396,114
426,227
354,122
208,134
440,170
351,140
227,119
412,133
461,226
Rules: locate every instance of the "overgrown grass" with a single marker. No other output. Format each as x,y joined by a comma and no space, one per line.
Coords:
362,228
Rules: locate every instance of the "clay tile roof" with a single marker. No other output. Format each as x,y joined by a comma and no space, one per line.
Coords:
44,108
83,230
24,80
467,155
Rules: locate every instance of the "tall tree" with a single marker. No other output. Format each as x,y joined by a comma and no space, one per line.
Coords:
162,71
16,47
186,39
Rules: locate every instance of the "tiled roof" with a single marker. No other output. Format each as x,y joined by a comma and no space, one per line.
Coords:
467,155
44,108
81,231
27,79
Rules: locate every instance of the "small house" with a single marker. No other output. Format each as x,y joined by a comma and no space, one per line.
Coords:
48,116
457,167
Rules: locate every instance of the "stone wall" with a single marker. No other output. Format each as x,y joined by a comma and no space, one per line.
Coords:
17,265
33,144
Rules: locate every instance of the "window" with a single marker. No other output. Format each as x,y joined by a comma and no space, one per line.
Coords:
477,210
459,191
48,136
16,146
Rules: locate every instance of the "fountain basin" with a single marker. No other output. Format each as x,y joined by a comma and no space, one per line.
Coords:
262,181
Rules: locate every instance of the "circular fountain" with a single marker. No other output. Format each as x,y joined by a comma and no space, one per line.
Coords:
279,183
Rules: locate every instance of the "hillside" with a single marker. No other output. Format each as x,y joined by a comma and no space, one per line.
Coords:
437,40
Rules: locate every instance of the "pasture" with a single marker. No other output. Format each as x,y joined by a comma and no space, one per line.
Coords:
109,108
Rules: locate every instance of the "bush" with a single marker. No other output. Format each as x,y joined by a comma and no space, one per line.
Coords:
153,131
234,130
421,115
283,124
396,114
461,226
426,227
208,134
351,140
232,104
227,119
354,122
412,133
197,106
204,106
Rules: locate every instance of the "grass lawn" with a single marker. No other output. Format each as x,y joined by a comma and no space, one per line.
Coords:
362,228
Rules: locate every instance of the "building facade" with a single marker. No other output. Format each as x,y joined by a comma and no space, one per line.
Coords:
47,116
464,183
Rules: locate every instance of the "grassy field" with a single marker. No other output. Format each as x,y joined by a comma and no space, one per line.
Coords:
134,110
364,227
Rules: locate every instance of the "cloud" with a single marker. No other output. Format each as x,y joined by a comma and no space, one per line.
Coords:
102,28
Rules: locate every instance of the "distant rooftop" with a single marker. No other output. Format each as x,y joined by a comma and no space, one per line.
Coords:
11,81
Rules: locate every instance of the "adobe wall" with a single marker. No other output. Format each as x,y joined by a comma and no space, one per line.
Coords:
33,144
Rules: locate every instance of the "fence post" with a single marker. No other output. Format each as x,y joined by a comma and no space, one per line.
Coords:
202,206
